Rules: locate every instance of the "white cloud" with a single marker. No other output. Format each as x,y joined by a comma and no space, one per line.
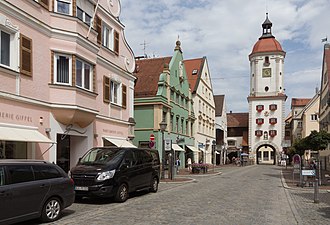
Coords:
225,32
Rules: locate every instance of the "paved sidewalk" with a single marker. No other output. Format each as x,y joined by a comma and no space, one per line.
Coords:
307,212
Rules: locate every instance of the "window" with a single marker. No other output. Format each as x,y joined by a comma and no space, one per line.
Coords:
231,142
20,174
299,124
62,69
182,125
187,126
44,3
172,95
84,75
5,48
272,133
273,107
259,121
63,6
42,172
114,88
273,121
259,108
177,124
258,133
265,135
266,156
171,123
194,72
314,117
83,16
107,37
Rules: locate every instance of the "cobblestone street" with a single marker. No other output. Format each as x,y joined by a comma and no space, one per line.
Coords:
239,195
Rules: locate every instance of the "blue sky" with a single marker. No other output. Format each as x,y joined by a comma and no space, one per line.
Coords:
225,32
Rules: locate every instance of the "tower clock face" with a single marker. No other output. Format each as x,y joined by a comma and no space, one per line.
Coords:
266,72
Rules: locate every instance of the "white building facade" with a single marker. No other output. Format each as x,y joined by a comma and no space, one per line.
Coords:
267,98
204,107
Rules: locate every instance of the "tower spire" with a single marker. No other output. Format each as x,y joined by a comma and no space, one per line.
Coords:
267,28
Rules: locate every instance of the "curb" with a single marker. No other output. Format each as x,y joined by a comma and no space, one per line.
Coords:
201,175
178,182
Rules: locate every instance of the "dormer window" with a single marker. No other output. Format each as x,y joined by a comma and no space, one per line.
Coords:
259,108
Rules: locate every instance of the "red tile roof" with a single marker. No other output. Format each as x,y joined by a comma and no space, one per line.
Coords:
237,119
218,100
267,45
327,60
191,66
299,102
147,73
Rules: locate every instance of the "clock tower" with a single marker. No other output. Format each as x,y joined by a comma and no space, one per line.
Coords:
267,98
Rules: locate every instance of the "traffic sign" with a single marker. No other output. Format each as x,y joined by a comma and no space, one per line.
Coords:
152,137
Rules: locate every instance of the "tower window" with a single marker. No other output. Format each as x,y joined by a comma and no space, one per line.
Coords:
266,62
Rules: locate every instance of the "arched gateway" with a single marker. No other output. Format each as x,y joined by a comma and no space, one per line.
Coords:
266,154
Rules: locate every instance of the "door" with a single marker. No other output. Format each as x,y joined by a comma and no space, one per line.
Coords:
63,152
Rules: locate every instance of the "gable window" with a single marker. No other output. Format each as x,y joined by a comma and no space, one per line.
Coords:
63,6
299,124
62,69
84,74
314,117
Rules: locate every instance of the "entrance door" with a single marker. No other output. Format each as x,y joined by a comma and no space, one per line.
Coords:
63,152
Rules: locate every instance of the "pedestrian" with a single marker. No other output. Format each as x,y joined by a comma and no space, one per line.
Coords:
189,164
177,163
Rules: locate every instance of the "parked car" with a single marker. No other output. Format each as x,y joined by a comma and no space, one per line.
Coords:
33,189
115,172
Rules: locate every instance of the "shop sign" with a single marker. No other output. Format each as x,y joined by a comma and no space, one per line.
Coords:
15,117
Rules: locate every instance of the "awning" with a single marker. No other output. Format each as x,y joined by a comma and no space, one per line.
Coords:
177,148
202,149
120,142
192,148
24,134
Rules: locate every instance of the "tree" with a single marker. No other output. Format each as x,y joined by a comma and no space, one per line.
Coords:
314,141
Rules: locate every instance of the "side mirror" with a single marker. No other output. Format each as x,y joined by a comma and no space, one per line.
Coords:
124,166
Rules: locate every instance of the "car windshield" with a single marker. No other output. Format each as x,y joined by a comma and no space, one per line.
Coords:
101,156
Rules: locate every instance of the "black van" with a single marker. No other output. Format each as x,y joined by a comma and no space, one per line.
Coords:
115,172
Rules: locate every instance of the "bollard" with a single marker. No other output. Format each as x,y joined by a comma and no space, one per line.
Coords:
316,191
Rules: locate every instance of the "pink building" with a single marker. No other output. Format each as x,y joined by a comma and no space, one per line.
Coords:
66,80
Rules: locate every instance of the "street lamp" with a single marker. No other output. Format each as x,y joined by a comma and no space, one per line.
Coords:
162,126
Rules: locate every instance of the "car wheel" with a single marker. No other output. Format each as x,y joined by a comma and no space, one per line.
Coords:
154,185
51,210
122,193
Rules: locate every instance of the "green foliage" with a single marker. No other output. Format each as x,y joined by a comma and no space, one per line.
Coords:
315,141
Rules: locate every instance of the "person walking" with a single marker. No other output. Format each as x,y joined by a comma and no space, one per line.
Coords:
189,164
177,163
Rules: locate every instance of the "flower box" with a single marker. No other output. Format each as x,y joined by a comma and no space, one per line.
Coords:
199,168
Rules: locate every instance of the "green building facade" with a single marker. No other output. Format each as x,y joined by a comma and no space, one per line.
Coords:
162,93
